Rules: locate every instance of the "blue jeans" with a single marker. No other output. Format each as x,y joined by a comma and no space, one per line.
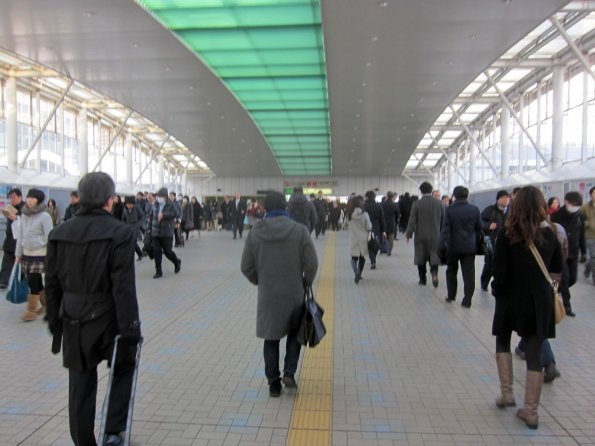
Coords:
547,355
271,357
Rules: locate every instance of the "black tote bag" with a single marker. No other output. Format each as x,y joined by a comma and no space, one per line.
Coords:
311,329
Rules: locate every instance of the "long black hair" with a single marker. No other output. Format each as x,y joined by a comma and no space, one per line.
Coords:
355,202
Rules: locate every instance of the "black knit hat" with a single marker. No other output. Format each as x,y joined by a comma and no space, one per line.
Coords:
162,192
130,199
37,194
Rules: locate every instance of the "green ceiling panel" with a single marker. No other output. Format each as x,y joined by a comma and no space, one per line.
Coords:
270,54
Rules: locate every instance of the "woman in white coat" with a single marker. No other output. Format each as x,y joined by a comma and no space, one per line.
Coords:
359,228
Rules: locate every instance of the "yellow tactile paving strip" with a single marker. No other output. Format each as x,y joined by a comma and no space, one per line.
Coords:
312,417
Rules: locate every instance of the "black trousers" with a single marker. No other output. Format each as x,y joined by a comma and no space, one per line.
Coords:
82,396
238,226
532,351
486,273
7,264
569,277
271,357
467,269
421,269
138,250
163,245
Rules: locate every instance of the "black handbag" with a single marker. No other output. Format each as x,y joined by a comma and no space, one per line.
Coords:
373,245
485,245
311,329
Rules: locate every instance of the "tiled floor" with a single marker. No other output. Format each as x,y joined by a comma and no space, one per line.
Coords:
408,367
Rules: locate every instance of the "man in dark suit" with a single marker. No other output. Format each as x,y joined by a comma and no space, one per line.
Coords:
90,290
237,211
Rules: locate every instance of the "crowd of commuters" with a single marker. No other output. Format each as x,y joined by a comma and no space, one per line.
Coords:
280,259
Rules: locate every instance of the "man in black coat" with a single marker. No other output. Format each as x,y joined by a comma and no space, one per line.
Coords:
15,197
91,297
493,218
458,238
236,210
321,207
391,217
376,214
301,209
571,219
74,206
162,219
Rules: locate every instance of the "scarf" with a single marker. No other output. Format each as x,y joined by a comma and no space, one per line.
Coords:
276,213
41,207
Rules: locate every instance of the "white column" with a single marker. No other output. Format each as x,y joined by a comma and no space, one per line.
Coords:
38,122
185,182
504,143
585,135
522,150
451,174
128,156
161,179
538,126
83,142
60,117
12,153
473,161
557,121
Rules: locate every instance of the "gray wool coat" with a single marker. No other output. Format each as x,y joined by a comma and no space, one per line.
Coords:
425,221
359,227
278,253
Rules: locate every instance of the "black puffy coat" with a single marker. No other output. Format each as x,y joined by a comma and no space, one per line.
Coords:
391,216
574,226
524,298
10,244
90,287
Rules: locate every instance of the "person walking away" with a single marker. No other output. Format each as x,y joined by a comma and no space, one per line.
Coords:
460,229
163,217
54,212
321,212
197,214
376,214
32,234
524,297
279,257
391,217
91,297
571,219
405,210
15,198
359,232
187,216
301,209
588,211
74,206
237,211
425,220
493,218
135,218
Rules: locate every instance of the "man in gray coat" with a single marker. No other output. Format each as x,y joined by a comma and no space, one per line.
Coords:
425,221
279,257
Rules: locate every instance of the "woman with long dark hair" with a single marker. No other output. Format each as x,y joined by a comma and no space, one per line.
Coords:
359,228
524,297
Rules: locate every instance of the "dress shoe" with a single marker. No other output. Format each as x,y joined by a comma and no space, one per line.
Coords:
569,312
421,282
178,266
550,373
275,389
466,303
373,266
289,380
450,299
435,280
113,440
158,275
520,353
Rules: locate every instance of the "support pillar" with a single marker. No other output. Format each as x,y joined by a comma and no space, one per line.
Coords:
185,182
472,162
60,132
585,132
128,156
451,175
83,138
538,126
557,117
161,175
505,142
12,154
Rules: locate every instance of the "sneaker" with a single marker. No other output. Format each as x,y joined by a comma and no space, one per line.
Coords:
373,266
113,440
178,266
358,277
275,389
520,353
550,373
289,380
449,299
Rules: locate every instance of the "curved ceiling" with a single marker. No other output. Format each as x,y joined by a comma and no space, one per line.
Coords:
392,68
